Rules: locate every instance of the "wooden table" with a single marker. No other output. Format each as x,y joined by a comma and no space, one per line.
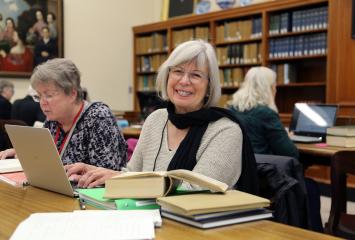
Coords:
319,150
320,156
16,204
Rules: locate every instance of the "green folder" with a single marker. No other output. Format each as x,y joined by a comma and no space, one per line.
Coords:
94,197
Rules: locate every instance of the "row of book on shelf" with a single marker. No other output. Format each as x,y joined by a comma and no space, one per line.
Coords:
156,42
150,63
231,76
239,30
239,54
212,206
307,45
186,34
299,20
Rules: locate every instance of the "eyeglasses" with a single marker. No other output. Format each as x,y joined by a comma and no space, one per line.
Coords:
177,73
47,96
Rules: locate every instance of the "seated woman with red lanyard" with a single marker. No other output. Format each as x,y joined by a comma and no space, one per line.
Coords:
82,131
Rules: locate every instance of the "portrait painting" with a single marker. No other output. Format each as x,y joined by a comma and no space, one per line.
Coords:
31,32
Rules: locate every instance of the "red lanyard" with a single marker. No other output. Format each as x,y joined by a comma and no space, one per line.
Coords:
66,135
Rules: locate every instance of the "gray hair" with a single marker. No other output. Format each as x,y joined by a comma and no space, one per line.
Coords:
5,84
256,90
60,71
204,55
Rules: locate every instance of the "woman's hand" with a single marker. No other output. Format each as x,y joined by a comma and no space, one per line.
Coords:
88,176
7,153
96,177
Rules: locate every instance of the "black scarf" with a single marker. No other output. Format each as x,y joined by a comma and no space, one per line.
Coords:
185,156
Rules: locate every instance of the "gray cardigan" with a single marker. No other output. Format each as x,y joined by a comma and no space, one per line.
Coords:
219,155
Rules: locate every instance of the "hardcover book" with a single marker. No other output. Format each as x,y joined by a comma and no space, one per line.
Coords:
340,141
346,131
157,184
219,219
201,203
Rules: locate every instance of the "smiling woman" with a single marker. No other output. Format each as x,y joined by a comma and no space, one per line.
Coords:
191,133
82,131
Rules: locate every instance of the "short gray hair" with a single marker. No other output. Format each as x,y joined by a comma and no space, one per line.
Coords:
5,84
256,90
204,55
60,71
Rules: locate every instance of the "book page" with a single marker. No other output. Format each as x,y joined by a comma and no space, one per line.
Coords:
140,174
73,226
199,180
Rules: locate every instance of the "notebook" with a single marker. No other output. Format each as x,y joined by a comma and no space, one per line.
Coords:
310,121
39,158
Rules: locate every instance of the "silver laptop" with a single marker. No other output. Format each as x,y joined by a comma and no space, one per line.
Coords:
310,121
39,158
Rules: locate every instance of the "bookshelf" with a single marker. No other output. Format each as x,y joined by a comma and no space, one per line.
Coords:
297,38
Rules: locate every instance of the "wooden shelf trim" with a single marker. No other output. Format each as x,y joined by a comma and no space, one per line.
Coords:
239,65
303,84
297,58
151,53
238,41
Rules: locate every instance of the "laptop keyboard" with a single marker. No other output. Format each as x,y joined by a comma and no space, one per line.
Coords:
305,139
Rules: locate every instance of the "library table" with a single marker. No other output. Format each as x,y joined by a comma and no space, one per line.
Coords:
17,203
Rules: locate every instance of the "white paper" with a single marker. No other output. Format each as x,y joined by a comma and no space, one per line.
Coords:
73,226
149,214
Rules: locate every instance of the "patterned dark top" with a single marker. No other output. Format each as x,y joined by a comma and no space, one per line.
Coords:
96,139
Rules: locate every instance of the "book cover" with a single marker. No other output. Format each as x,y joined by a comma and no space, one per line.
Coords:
218,221
10,165
200,203
95,197
157,184
340,141
346,131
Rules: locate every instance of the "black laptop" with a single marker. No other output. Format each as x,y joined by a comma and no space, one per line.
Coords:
309,122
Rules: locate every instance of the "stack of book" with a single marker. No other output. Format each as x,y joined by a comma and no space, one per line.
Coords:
341,136
212,206
209,210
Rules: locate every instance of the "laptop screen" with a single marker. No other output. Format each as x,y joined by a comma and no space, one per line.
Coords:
313,119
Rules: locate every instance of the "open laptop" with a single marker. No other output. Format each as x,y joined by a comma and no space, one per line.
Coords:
309,122
39,158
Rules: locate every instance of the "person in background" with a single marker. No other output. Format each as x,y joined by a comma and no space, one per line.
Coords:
6,93
254,104
20,57
83,132
52,25
190,133
2,24
46,47
34,33
27,110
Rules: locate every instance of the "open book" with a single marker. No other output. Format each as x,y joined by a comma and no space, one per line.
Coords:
157,184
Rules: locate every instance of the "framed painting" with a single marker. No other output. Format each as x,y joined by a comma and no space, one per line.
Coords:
31,32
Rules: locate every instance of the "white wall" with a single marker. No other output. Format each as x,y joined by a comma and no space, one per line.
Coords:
98,38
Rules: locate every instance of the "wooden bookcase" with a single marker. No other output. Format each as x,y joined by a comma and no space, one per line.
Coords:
305,55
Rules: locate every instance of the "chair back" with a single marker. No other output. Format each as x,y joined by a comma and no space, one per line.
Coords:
340,223
5,142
